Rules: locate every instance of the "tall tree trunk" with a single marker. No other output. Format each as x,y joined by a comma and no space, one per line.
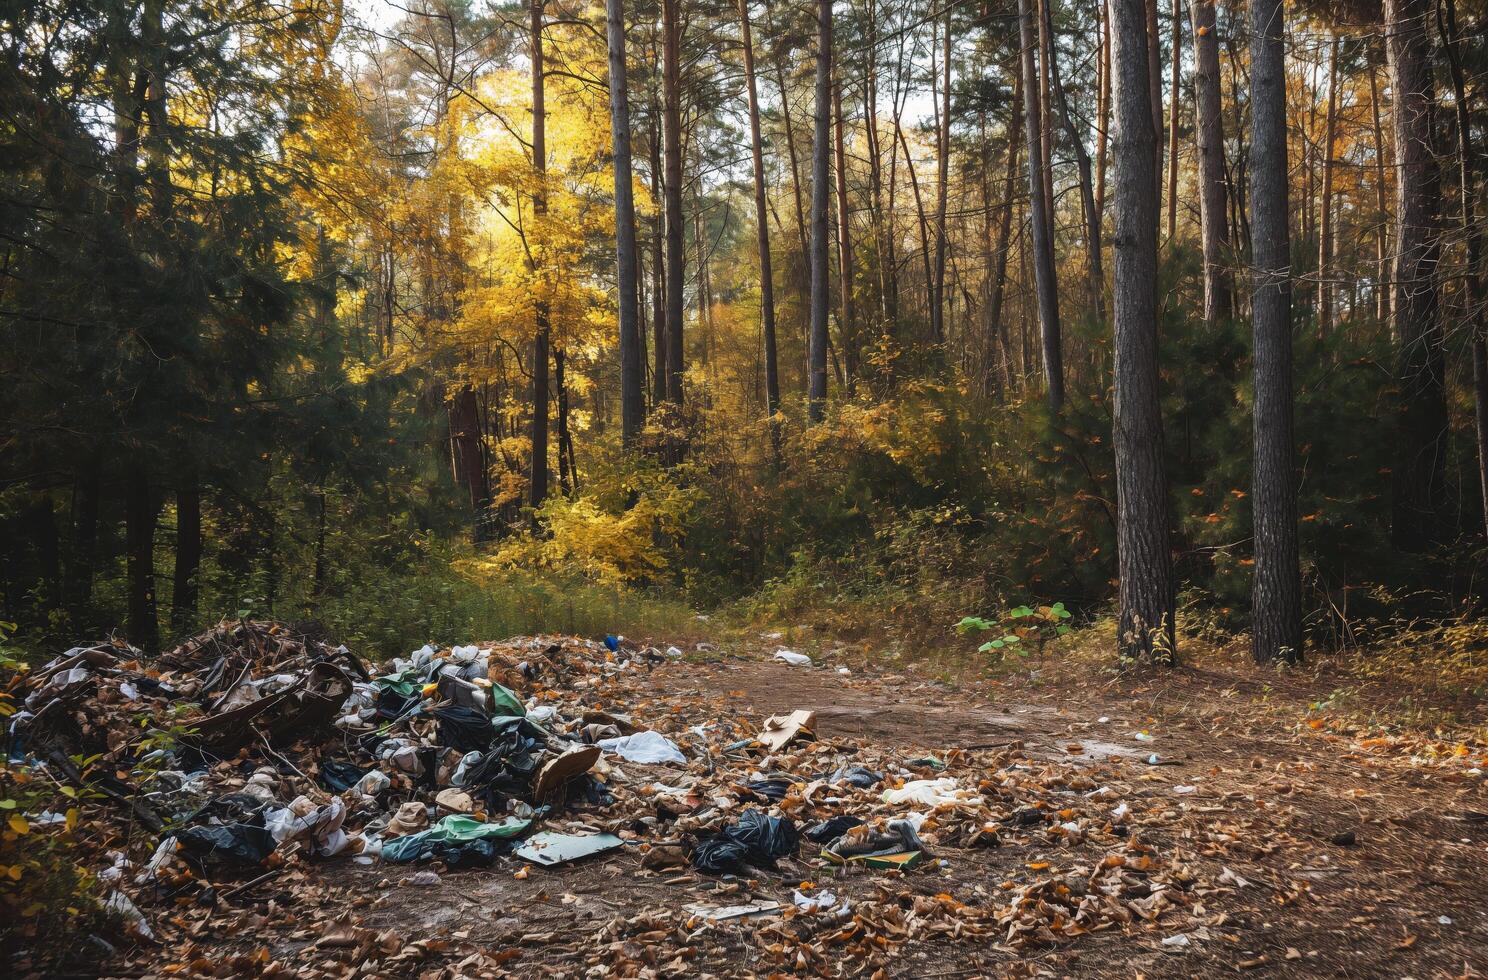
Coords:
1102,112
1173,83
84,553
1096,273
139,534
188,556
1209,121
942,188
848,328
795,164
671,77
567,478
886,308
632,380
1420,516
1004,231
1046,128
762,234
1381,240
1154,81
1325,215
820,190
1467,158
538,478
1146,629
1276,600
658,274
923,221
1043,248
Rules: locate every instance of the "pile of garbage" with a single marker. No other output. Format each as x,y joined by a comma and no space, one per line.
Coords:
252,748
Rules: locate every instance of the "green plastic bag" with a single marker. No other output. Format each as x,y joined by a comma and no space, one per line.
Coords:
502,698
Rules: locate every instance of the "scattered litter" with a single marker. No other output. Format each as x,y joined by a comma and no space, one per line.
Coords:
722,913
793,658
932,792
780,730
756,839
549,848
645,747
822,901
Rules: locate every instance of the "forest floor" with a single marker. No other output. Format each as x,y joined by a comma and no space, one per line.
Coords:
1283,839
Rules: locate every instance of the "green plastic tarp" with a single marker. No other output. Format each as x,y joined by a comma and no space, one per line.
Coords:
454,829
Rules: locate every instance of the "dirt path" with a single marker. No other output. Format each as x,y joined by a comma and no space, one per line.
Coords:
1262,850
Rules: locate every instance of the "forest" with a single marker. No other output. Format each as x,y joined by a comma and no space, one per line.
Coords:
1156,333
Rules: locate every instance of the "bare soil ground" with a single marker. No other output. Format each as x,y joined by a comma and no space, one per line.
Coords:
1304,845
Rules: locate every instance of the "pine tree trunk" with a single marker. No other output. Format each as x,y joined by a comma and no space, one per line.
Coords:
1096,281
538,478
1004,233
632,381
923,221
1381,241
671,78
886,311
1325,215
1177,14
795,165
1154,81
1467,158
942,189
820,190
1146,629
1102,112
1420,515
1277,595
658,275
762,234
84,551
1046,128
1043,248
188,556
139,534
1209,121
848,328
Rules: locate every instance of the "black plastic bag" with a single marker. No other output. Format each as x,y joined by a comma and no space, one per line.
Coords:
464,728
471,854
771,790
718,855
505,771
231,808
338,776
829,830
235,843
756,839
858,776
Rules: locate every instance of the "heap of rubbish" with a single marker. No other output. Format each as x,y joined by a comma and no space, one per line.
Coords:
253,748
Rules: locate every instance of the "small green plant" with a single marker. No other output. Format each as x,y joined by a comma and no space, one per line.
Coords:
1020,627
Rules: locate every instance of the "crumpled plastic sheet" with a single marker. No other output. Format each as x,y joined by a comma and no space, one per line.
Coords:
645,747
